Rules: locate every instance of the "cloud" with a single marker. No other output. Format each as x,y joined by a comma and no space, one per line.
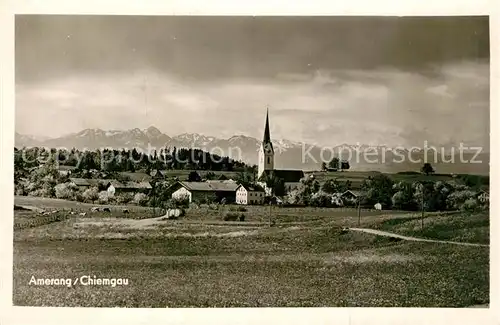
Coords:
383,106
441,90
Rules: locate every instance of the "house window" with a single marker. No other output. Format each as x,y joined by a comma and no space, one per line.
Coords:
268,160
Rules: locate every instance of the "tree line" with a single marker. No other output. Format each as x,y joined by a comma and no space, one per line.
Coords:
112,160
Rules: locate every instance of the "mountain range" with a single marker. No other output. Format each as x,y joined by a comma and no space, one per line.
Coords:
288,154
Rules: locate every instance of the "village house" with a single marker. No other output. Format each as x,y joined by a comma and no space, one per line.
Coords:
65,170
218,190
350,197
115,187
250,195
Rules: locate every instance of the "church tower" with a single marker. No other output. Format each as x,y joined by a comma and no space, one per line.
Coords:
266,151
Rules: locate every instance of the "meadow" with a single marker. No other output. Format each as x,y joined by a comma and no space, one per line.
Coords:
305,259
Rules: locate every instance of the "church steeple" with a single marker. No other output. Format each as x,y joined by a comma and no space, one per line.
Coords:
266,151
267,134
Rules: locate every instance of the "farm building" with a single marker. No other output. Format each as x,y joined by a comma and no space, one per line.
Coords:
116,187
250,195
219,190
84,183
350,197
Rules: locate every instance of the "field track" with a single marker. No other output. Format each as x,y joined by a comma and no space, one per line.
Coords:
393,235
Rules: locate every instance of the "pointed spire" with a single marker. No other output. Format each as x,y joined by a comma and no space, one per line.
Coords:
267,134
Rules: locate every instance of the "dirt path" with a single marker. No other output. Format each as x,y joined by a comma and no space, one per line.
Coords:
390,234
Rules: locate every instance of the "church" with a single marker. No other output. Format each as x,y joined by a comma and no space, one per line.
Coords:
291,177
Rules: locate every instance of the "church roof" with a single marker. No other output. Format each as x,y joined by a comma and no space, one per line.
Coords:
287,175
266,141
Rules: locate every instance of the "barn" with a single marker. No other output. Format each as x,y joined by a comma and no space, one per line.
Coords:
218,190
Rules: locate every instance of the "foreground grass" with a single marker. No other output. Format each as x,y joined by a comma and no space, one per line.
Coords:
290,266
462,227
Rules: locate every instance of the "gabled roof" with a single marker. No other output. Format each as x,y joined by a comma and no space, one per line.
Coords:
89,181
64,167
209,187
251,188
288,175
80,181
226,181
130,185
354,193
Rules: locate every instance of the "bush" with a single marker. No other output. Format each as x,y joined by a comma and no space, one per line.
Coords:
19,190
42,192
124,198
103,197
65,191
321,199
79,197
408,173
91,194
141,199
470,205
231,216
456,200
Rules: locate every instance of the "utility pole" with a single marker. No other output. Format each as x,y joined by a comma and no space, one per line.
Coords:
359,211
422,205
270,205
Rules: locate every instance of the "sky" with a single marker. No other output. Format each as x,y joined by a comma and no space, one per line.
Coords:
326,80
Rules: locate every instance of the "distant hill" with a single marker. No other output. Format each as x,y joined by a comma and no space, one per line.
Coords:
288,154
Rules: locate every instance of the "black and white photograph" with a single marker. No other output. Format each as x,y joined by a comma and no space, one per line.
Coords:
176,161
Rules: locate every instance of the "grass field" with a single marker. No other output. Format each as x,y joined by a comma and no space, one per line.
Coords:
52,204
304,260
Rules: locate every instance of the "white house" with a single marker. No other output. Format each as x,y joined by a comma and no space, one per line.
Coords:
250,195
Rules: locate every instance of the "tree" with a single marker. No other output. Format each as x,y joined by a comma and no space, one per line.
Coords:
427,169
245,178
321,199
276,184
324,166
457,200
65,191
404,199
344,165
194,177
304,192
331,186
379,189
334,163
210,176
